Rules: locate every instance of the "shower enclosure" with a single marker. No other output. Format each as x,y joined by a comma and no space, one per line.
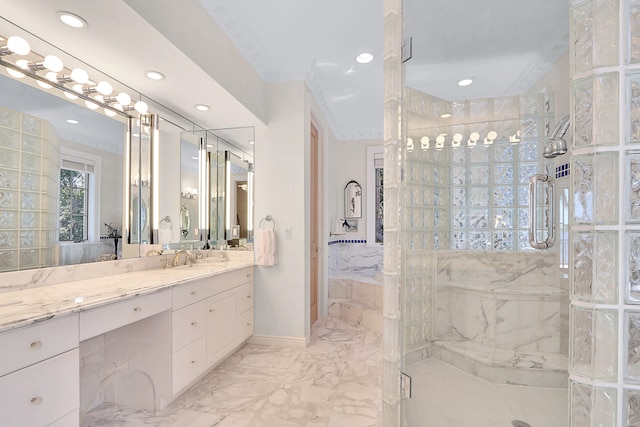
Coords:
481,329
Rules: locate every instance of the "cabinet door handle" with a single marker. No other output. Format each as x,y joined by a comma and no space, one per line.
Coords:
213,310
194,293
137,309
193,362
194,323
35,345
36,400
249,296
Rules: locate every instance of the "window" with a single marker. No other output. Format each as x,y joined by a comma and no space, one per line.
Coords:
375,196
73,205
76,187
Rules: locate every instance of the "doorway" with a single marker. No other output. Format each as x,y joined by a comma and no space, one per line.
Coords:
315,227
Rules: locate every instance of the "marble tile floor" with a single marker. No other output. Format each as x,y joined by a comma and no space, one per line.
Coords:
334,382
444,396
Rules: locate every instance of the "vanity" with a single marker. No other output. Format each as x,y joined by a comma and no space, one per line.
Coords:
138,339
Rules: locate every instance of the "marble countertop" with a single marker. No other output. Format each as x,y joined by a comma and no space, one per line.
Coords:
29,306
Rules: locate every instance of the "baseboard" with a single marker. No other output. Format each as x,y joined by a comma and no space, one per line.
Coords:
278,341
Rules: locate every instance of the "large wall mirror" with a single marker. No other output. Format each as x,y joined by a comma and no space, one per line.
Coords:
61,173
81,183
229,185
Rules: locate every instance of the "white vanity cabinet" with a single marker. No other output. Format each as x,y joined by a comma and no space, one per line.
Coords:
39,374
209,321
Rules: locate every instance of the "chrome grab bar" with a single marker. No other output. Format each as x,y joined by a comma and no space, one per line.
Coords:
533,220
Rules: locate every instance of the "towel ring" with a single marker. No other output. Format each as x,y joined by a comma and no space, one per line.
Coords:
267,219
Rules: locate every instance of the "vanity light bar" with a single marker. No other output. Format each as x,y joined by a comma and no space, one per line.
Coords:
83,88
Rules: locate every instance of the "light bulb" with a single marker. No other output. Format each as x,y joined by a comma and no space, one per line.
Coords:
18,45
91,105
104,88
118,107
79,75
109,112
141,107
23,63
77,88
51,76
70,95
99,98
123,98
53,63
44,85
14,73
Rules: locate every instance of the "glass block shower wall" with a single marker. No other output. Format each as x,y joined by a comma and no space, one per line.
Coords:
467,175
605,218
29,170
392,266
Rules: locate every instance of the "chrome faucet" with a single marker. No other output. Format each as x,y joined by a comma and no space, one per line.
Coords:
176,258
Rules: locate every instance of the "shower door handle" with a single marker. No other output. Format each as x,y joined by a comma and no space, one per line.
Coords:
548,204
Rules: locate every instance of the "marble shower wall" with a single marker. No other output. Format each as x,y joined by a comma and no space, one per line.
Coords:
504,301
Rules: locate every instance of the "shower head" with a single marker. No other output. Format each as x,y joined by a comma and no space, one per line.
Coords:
557,146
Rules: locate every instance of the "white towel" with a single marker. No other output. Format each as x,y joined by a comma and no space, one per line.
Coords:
266,247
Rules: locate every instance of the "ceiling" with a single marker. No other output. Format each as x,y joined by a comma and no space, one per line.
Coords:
506,45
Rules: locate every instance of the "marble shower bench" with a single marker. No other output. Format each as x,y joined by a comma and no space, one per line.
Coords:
357,300
505,333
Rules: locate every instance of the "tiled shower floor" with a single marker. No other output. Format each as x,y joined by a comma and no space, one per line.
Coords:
335,382
444,396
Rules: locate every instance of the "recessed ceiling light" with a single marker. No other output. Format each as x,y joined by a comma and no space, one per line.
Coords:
445,115
251,142
72,121
202,107
465,82
364,58
71,19
155,75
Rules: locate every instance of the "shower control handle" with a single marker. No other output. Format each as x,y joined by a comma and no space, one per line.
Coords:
533,220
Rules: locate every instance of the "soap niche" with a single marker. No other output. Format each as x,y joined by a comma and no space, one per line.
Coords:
124,369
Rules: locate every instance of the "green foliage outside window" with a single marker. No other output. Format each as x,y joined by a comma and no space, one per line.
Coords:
73,205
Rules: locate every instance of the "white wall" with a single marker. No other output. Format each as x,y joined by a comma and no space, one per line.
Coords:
281,191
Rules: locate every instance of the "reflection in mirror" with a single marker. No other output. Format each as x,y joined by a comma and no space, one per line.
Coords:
189,186
43,138
230,154
185,221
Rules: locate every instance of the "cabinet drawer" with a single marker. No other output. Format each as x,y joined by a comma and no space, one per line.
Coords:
42,393
189,293
245,297
245,324
188,324
35,343
188,363
230,280
100,320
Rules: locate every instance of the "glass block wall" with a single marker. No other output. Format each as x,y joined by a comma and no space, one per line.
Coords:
29,168
392,266
605,216
467,175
